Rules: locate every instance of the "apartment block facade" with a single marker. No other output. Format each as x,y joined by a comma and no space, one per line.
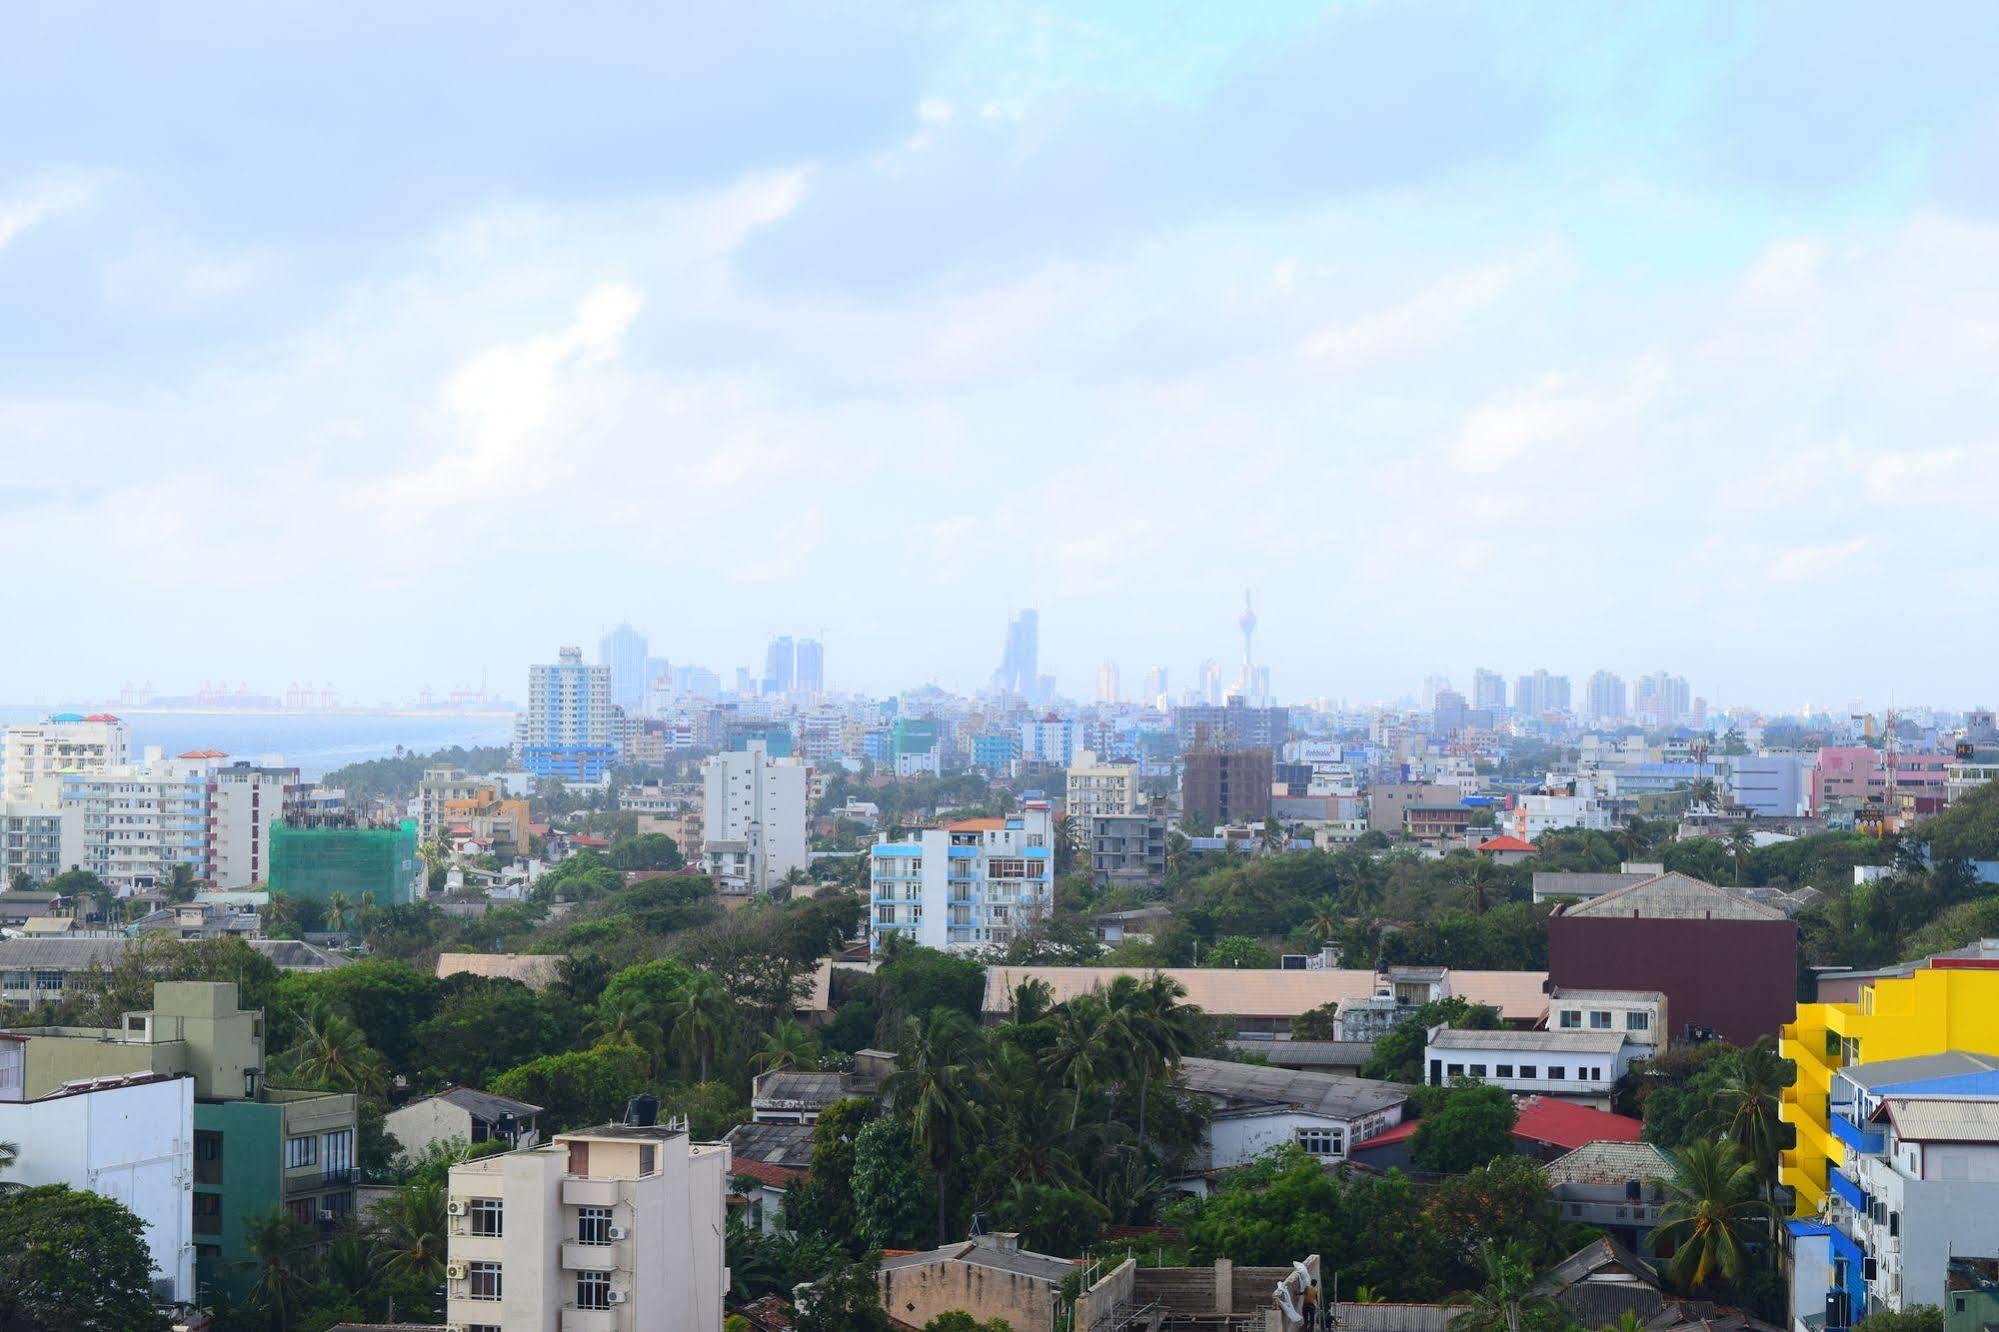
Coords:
753,810
35,752
569,730
244,800
610,1229
972,884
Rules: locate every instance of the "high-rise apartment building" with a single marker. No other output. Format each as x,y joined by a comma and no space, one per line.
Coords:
1448,711
1100,788
569,730
130,825
753,812
623,650
972,884
1226,785
244,800
1019,666
30,841
1155,686
1540,692
780,665
811,672
1604,698
1236,725
616,1228
34,752
1488,690
1663,699
1108,688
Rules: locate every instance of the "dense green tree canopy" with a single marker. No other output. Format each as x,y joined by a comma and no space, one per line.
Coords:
73,1262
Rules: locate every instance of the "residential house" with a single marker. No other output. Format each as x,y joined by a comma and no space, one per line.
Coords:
1544,1129
988,1276
1256,1108
1580,1066
462,1114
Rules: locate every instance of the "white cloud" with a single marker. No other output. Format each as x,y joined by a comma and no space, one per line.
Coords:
1435,314
42,200
1800,564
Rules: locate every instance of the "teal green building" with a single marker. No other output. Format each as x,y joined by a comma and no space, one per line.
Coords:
316,859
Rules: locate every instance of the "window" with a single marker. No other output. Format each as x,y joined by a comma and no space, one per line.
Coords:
1557,1073
208,1214
648,1159
1455,1070
1637,1020
1894,1224
207,1157
593,1290
1599,1020
485,1279
487,1216
302,1211
1478,1070
1529,1072
593,1225
1503,1071
301,1152
1323,1141
339,1153
1572,1018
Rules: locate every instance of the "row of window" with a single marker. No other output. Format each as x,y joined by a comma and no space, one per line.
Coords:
308,1149
485,1281
1601,1019
1323,1141
487,1217
1519,1073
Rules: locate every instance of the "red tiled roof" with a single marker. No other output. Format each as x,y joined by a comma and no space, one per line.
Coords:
1558,1123
204,754
763,1172
1507,843
976,825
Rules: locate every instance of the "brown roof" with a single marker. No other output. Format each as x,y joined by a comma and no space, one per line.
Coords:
537,971
1674,897
1271,993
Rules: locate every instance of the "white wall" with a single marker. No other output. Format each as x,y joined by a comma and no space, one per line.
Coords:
134,1145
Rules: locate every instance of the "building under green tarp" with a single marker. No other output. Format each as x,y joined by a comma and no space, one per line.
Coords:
317,858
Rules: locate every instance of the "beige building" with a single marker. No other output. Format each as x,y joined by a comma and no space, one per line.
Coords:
986,1276
610,1229
1101,789
36,752
1388,802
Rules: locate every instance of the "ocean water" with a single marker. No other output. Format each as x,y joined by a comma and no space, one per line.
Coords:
316,744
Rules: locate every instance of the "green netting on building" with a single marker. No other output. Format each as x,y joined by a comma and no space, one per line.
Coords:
317,862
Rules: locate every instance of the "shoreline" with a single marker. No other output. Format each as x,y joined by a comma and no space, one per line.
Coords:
440,715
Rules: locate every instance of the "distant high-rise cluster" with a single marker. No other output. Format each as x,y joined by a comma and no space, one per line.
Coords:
1540,692
1107,683
1488,690
1604,698
1020,660
624,651
794,667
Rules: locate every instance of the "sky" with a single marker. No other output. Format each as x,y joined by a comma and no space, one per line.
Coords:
384,344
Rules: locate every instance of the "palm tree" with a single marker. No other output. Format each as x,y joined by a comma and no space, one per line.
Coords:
1741,846
337,909
936,1085
435,855
280,1245
788,1045
367,905
1746,1105
1155,1027
1479,878
409,1228
1632,840
330,1052
1702,792
10,1152
1023,1124
1326,919
701,1015
1626,1322
1505,1303
1712,1203
1032,999
1273,835
1366,890
1081,1053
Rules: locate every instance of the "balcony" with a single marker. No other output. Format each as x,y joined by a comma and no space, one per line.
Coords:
592,1320
1866,1142
580,1192
1849,1192
613,1257
317,1181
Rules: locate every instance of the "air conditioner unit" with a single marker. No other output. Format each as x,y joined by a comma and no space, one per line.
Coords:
454,1271
616,1297
456,1207
616,1232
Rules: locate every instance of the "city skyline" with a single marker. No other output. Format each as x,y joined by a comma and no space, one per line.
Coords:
1599,349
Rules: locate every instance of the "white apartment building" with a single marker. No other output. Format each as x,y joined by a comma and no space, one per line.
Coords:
1571,804
967,885
609,1229
1051,740
244,800
34,752
1580,1066
569,729
753,817
1638,1015
131,824
128,1138
1097,790
30,841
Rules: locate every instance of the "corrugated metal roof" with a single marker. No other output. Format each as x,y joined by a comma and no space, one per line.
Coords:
1609,1163
1927,1120
1917,1068
1674,897
1551,1042
1329,1094
61,954
1308,1054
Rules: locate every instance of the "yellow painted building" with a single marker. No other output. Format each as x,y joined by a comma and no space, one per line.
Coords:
1948,1005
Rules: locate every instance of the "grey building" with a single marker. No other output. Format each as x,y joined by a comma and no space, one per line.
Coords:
1125,848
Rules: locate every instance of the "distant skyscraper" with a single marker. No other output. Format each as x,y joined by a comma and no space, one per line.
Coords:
1663,699
1209,690
1488,690
780,665
1107,683
1604,697
1020,662
811,673
1247,623
1155,684
1447,711
1433,685
624,651
1540,692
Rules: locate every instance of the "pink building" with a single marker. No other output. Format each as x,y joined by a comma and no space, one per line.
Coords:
1859,773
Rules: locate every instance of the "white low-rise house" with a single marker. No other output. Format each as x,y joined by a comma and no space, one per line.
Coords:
464,1115
1639,1014
1581,1066
128,1138
1257,1108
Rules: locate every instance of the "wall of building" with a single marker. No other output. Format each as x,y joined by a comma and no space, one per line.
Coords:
917,1294
421,1123
1737,976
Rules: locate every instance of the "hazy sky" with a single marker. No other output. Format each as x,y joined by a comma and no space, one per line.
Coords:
381,343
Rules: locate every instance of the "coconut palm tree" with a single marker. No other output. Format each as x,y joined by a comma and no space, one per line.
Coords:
338,909
1632,840
409,1227
1480,875
1712,1206
1023,1123
787,1045
1032,999
1505,1302
936,1085
1081,1053
1155,1028
1746,1106
632,1022
10,1152
330,1052
1326,919
701,1016
280,1246
1741,847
